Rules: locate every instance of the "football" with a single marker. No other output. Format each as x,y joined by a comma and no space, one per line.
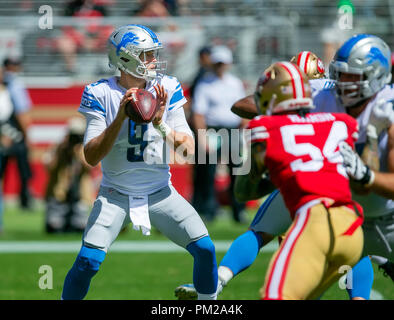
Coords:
245,108
142,107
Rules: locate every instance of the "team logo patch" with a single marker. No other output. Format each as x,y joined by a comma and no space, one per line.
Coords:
320,66
375,54
286,90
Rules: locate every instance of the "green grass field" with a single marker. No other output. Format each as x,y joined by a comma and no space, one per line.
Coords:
129,275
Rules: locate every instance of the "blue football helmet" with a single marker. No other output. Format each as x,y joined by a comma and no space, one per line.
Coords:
127,49
367,56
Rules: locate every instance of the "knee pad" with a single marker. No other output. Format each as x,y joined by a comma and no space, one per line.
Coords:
202,248
89,259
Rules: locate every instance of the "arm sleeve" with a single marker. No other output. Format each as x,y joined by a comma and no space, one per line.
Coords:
259,132
177,98
177,121
95,125
90,104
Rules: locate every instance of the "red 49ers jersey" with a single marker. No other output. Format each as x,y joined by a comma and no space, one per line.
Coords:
302,155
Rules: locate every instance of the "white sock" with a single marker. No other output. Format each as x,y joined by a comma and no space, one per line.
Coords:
207,296
225,275
220,287
378,260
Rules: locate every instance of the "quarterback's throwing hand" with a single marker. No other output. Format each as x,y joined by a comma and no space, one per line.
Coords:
355,167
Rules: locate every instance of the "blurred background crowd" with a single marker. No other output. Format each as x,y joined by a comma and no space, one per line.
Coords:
52,49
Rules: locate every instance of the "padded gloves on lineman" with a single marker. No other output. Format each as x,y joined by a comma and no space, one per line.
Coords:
381,118
355,167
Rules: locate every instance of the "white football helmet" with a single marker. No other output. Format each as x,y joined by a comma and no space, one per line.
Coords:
127,48
367,56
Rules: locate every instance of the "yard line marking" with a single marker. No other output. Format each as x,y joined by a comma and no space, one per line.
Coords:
118,246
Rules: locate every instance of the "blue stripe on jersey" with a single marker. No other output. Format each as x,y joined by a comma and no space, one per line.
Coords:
328,85
176,97
344,51
92,104
260,213
98,82
88,95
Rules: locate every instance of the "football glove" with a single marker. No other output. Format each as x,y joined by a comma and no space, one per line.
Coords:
355,167
381,118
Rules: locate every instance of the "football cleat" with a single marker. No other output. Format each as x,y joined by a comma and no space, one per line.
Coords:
186,292
388,269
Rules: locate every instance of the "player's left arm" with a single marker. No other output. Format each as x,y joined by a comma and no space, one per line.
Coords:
381,118
253,185
245,108
366,179
383,183
180,137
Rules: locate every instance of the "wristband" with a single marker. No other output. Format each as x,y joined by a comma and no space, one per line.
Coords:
368,178
371,179
163,128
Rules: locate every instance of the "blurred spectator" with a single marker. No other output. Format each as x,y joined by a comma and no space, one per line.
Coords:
89,37
70,187
6,109
152,8
204,61
172,6
18,123
341,29
214,95
205,65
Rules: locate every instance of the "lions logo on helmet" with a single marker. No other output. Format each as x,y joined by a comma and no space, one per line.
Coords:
367,58
128,48
310,64
283,87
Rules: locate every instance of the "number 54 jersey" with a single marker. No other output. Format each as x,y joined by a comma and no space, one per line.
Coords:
137,164
302,155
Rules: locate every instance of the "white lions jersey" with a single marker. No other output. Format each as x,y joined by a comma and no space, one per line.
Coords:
326,100
320,84
138,161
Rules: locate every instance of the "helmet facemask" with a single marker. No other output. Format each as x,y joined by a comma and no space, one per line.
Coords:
136,64
351,92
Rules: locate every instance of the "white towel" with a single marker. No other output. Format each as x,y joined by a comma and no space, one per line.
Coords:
139,214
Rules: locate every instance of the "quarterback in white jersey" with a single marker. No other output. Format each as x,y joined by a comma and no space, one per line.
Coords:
138,162
136,186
